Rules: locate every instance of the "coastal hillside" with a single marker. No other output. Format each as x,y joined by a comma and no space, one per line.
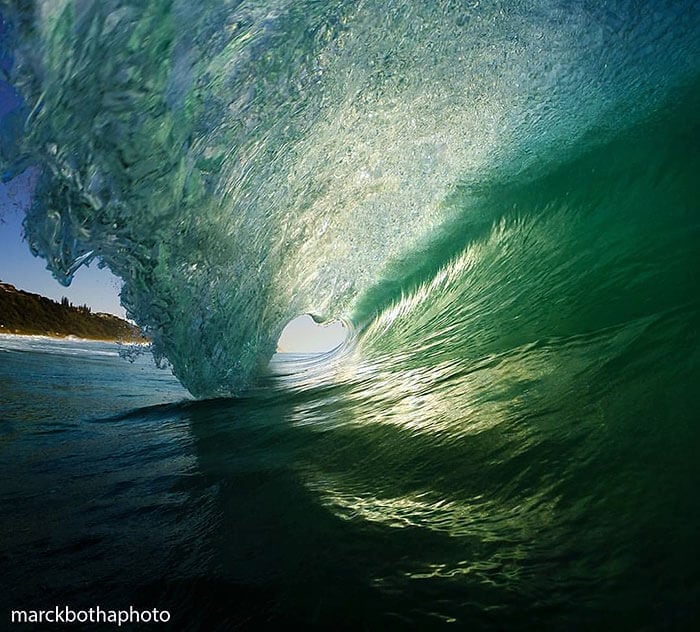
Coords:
26,313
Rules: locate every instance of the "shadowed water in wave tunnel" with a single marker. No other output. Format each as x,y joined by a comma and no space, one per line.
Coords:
500,204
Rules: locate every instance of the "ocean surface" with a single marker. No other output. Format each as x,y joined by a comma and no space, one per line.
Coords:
501,202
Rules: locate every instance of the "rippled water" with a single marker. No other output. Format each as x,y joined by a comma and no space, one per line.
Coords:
312,506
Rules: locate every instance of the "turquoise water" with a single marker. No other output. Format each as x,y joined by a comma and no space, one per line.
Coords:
501,202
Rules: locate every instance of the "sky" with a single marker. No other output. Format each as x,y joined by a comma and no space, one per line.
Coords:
91,286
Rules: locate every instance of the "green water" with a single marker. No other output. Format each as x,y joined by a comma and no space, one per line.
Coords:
502,203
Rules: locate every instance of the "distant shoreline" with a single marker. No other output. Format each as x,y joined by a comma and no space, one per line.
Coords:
71,337
27,314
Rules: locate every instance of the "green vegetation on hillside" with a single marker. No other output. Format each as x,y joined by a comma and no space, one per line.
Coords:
30,314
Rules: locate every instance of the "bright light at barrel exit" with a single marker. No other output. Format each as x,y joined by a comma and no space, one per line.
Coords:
304,335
